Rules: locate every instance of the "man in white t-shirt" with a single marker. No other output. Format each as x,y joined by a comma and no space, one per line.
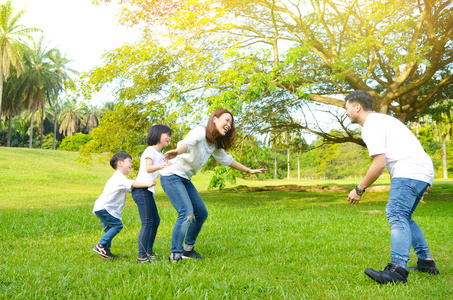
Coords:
110,204
393,146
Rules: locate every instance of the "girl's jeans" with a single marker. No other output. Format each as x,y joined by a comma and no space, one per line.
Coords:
191,210
404,196
112,226
149,217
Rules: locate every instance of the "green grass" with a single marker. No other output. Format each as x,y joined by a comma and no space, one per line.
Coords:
257,245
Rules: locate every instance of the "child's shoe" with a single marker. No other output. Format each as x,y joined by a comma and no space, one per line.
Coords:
108,254
100,249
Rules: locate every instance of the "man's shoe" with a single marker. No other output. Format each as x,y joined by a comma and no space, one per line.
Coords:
393,273
191,254
425,265
99,249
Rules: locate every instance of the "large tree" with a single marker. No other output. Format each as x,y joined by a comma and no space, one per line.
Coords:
12,36
39,83
263,58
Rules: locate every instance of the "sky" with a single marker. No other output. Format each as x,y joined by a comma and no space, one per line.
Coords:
77,28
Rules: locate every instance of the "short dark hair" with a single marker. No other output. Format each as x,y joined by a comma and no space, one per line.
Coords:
225,142
362,97
155,132
117,157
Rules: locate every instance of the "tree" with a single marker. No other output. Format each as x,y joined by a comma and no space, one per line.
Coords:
39,82
266,57
442,122
72,118
12,35
61,69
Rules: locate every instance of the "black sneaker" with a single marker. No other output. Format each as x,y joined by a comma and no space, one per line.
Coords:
99,249
191,254
425,265
108,254
393,273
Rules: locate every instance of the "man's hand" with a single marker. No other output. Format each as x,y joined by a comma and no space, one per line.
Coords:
353,197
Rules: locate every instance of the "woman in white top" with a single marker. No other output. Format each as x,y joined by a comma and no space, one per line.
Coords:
188,158
151,162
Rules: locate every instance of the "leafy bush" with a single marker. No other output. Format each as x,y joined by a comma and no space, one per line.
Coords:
75,142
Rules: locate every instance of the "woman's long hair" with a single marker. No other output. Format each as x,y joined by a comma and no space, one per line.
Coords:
221,141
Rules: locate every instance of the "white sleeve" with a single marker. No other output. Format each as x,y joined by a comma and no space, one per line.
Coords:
193,137
222,157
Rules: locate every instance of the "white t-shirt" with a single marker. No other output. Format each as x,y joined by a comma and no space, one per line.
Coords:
143,175
114,195
384,134
188,164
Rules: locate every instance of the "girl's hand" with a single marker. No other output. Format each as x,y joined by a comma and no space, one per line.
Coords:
170,154
254,171
165,164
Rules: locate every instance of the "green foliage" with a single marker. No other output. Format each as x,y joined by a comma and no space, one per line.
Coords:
75,142
221,176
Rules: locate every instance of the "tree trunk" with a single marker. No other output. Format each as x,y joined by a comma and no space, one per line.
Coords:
1,96
287,160
55,124
275,164
444,157
42,125
8,139
298,165
30,144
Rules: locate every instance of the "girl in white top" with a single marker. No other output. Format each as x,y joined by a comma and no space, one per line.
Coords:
151,162
188,158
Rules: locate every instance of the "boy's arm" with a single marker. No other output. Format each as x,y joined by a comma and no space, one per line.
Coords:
139,185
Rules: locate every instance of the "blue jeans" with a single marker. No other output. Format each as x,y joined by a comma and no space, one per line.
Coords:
192,212
112,226
149,217
404,196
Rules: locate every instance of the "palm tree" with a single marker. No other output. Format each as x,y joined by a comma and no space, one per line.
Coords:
39,82
71,118
61,70
11,104
12,35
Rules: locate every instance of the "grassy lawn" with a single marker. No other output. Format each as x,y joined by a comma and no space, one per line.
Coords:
257,245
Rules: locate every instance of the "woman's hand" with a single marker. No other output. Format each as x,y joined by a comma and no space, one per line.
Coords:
255,171
170,155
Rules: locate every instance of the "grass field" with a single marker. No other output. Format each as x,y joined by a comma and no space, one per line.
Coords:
257,245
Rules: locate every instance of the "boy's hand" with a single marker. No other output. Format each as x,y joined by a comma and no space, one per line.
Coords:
151,183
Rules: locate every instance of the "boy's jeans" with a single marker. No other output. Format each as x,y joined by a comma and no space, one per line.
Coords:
187,201
111,226
404,196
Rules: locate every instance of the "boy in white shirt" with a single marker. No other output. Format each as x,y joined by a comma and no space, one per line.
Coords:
110,204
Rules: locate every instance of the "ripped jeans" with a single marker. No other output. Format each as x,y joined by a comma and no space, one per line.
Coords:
191,210
405,194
